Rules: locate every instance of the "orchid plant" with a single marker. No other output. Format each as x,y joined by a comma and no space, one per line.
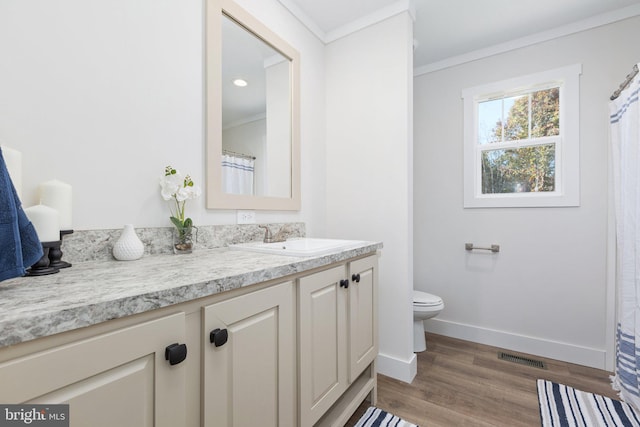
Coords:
178,188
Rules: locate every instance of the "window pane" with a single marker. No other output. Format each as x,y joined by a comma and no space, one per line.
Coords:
490,121
516,112
518,170
545,113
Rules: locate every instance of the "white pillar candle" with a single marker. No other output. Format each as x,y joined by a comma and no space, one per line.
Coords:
13,160
46,221
57,195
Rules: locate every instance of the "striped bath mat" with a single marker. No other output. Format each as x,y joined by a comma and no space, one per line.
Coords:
375,417
561,405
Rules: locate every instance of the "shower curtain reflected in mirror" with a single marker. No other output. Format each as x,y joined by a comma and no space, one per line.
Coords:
237,175
625,153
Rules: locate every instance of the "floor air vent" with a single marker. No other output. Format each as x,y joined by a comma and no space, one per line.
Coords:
521,360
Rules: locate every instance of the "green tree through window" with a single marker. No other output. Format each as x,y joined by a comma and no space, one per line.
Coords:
531,122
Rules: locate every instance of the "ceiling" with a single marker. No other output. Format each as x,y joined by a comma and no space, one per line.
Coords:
448,28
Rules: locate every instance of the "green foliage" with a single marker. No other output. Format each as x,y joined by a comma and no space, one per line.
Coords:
545,113
529,168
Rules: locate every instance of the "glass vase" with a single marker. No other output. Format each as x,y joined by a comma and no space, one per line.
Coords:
184,240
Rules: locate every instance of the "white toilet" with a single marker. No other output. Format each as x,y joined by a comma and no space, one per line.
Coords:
425,306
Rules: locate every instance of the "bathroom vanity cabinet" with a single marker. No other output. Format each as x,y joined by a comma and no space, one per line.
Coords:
338,339
296,348
254,364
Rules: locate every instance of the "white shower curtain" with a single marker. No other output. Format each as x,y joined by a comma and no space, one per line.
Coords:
625,150
237,175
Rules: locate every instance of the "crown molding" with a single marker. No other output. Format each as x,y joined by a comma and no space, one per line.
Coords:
304,19
379,15
565,30
357,25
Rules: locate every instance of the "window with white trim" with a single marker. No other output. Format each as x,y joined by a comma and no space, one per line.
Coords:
521,141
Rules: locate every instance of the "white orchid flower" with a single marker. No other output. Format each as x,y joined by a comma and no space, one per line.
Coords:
174,185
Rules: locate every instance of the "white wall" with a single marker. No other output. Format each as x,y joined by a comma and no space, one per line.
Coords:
278,180
104,94
545,293
369,177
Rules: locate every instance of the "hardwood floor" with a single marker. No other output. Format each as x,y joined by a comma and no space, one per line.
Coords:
460,383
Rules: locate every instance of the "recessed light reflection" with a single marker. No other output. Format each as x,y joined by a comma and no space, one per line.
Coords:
240,82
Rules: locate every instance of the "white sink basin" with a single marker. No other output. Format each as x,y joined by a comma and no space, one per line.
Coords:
298,247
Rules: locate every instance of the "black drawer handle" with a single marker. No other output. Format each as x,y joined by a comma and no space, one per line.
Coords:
175,353
356,277
344,283
218,337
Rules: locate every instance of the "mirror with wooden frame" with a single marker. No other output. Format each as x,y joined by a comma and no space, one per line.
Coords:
252,114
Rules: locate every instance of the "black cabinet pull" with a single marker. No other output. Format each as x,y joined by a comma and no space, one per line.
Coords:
344,283
175,353
218,337
356,277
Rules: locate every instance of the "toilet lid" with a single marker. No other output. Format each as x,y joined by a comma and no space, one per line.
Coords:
424,299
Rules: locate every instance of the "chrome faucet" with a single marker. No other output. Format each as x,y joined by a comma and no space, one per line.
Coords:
268,237
280,236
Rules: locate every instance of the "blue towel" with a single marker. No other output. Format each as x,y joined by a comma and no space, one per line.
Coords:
20,247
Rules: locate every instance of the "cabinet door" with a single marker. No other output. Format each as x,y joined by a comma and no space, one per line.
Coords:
249,380
363,309
114,379
322,341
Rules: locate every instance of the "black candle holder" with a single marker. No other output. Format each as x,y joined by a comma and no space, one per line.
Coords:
55,252
43,267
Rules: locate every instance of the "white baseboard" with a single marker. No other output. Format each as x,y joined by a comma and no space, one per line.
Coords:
403,370
585,356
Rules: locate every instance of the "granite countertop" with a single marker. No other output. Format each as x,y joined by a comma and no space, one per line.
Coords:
93,292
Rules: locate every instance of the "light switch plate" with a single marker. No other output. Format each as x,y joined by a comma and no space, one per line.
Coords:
246,217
